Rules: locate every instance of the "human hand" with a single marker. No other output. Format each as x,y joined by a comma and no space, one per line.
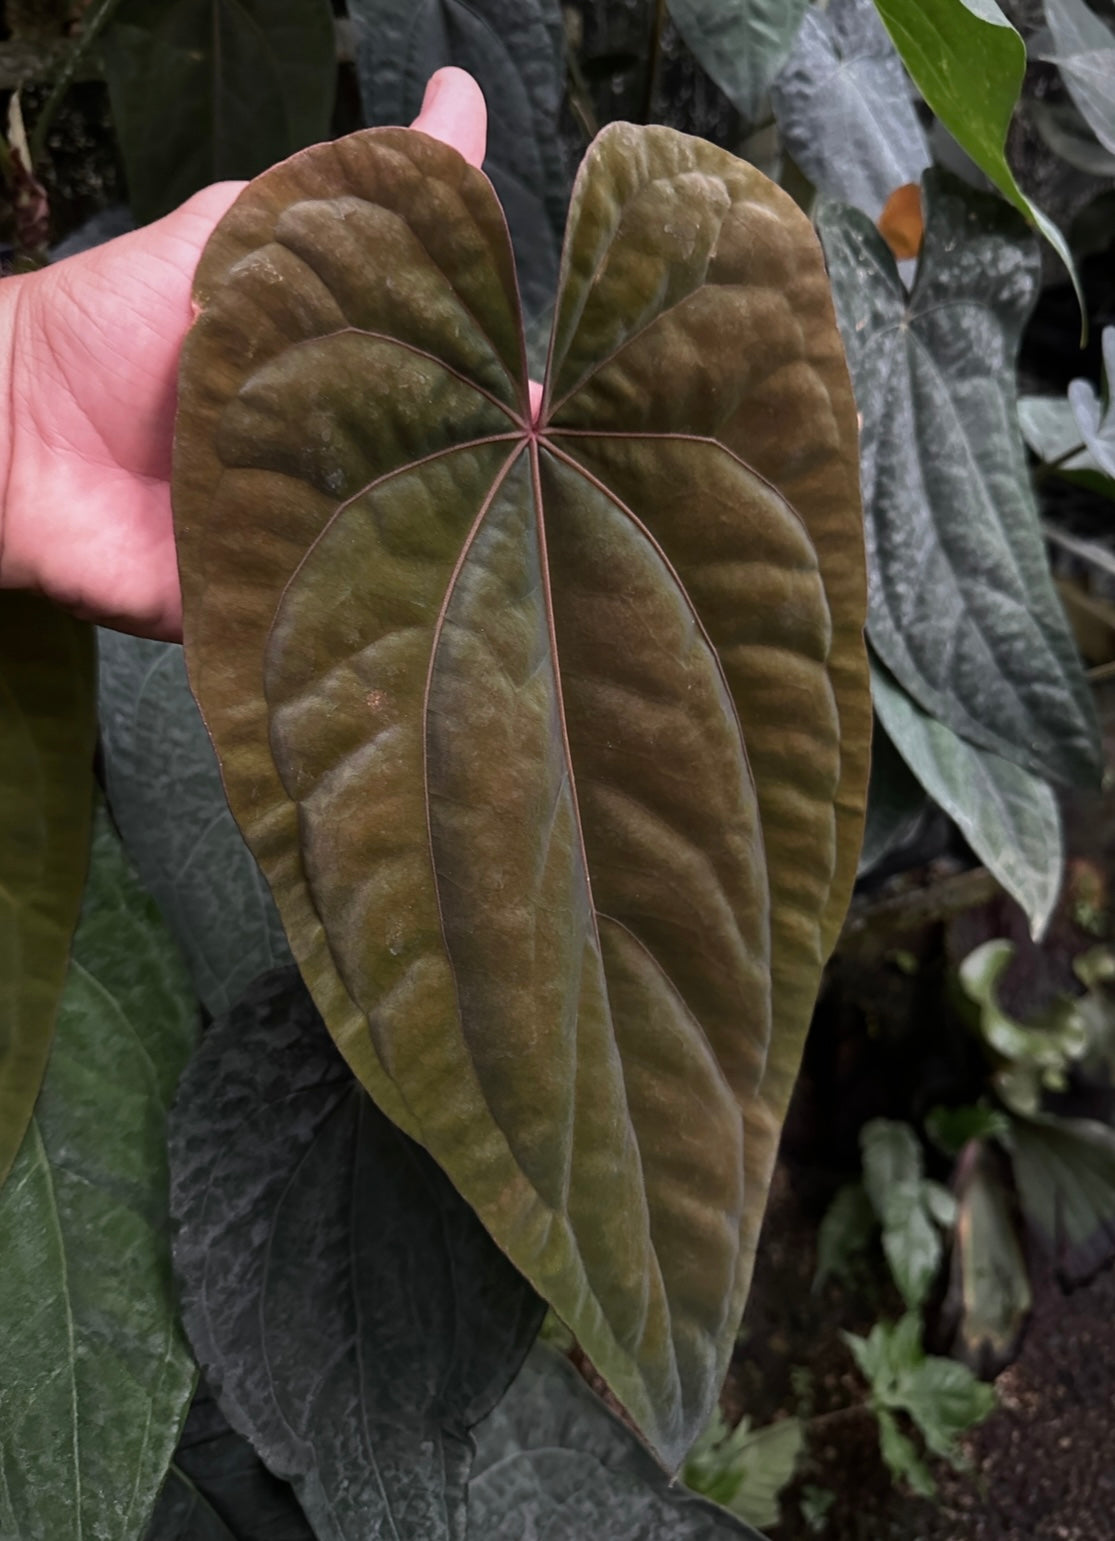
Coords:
92,347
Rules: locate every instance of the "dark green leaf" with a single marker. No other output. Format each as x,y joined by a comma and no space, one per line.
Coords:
845,109
552,1461
1095,418
1064,1169
1008,816
962,607
901,1456
516,51
47,737
968,62
96,1376
165,792
219,1489
989,1289
847,1230
892,1178
950,1129
351,1313
477,686
1085,50
742,44
896,802
202,90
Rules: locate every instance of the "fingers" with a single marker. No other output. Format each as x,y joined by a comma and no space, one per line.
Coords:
453,111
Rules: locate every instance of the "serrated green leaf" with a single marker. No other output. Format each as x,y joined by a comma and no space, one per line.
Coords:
552,1461
1008,816
968,62
962,608
1095,417
516,51
1064,1169
48,734
741,44
349,1310
1084,49
164,789
202,90
845,110
901,1456
97,1376
945,1400
745,1469
989,1289
505,664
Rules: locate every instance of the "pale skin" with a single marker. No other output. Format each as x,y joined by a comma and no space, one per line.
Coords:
90,350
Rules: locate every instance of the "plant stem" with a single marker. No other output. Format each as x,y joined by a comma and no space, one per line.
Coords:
657,26
96,17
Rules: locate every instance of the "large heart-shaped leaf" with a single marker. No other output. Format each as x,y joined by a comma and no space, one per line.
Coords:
96,1374
845,110
742,44
962,608
552,1461
1007,815
351,1313
516,51
165,792
207,89
549,733
48,732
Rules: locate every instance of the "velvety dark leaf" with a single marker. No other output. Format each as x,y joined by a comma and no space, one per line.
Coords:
202,90
351,1313
516,51
962,607
896,802
1008,816
165,792
218,1489
96,1375
48,733
1084,48
845,109
553,1462
1064,1169
968,62
549,894
742,44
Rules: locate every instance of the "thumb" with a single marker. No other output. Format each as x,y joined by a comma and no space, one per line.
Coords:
453,111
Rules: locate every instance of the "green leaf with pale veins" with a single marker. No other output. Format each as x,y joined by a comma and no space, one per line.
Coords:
968,62
741,44
515,49
349,1310
1007,815
97,1375
164,790
962,607
202,90
550,735
48,731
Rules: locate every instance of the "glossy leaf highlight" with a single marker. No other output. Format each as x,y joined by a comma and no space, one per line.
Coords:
97,1375
563,723
48,731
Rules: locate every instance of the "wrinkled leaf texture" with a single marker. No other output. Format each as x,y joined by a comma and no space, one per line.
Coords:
845,110
962,607
741,44
96,1373
552,1461
351,1313
48,731
164,790
515,49
202,90
509,711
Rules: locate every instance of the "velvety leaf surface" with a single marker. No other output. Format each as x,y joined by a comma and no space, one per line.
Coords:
962,608
164,789
96,1374
48,731
845,109
218,1489
1084,48
233,85
1008,816
350,1311
968,62
742,44
505,667
516,51
552,1461
1064,1169
895,803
